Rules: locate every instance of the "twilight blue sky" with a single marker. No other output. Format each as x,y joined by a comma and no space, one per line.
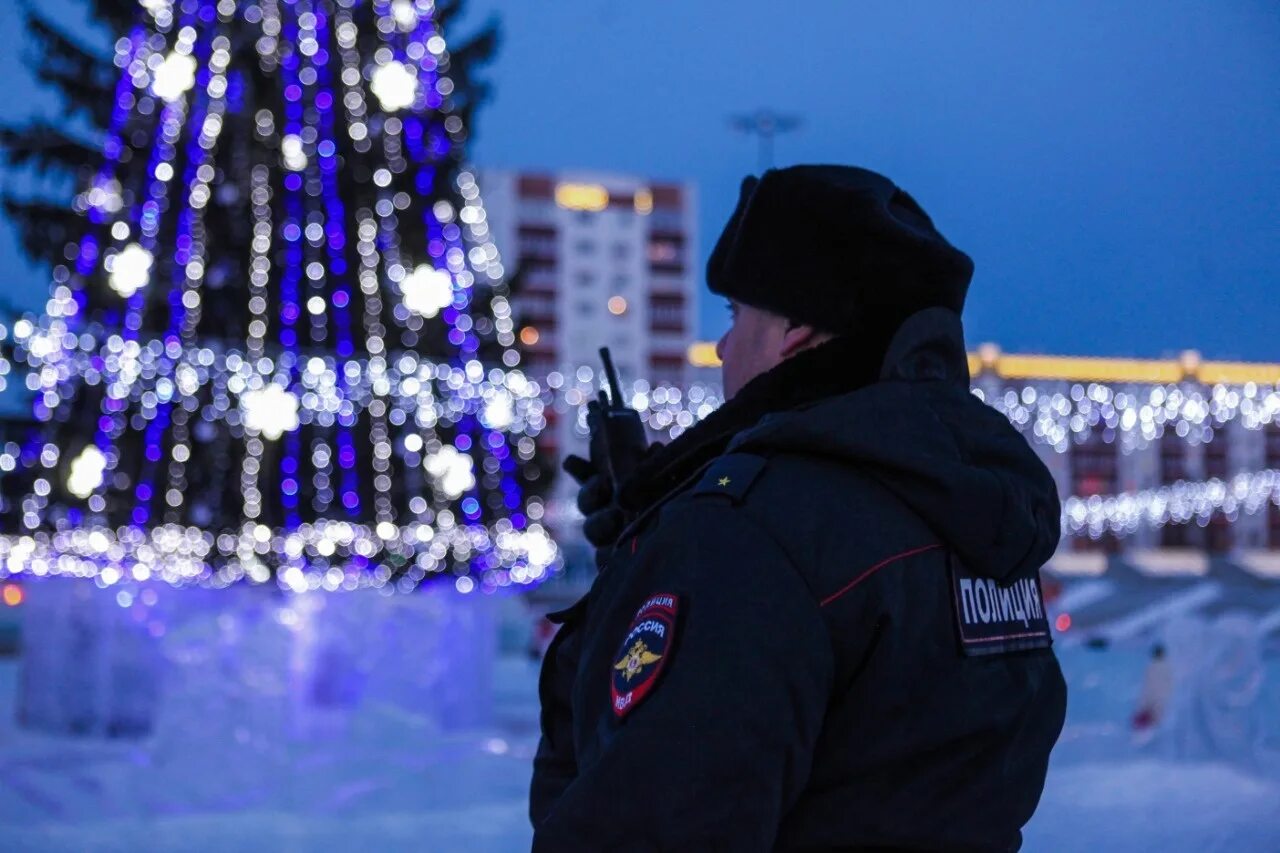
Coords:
1113,168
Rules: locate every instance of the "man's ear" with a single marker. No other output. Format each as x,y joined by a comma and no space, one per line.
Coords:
798,337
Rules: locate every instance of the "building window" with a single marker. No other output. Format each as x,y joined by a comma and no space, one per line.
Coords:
621,251
666,312
666,252
536,308
537,242
585,248
540,361
1272,440
1173,467
667,196
1094,464
666,368
586,279
536,186
584,309
621,282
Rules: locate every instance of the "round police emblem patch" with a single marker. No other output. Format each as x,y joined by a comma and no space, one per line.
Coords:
644,652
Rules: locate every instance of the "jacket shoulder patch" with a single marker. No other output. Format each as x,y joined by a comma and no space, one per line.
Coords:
994,618
732,475
646,648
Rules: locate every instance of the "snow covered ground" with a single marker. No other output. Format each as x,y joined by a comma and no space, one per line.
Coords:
383,780
248,770
1106,793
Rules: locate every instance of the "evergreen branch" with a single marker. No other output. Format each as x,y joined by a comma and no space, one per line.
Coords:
45,148
472,53
446,11
83,97
469,53
10,311
478,49
54,48
44,228
116,15
84,76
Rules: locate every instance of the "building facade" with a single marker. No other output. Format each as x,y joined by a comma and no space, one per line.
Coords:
1178,457
601,259
1166,465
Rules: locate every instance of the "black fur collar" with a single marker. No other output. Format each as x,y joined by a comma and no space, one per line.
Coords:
836,367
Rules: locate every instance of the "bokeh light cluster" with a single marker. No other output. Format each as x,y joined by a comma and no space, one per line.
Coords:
282,348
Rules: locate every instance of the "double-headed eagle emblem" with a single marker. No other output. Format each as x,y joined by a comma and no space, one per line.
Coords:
636,659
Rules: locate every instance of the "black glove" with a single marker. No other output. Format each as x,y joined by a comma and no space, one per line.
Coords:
603,520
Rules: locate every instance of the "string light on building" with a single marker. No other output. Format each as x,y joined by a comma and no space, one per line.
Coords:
1179,503
1129,415
1136,415
1132,416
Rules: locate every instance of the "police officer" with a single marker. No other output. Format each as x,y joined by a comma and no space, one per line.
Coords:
821,627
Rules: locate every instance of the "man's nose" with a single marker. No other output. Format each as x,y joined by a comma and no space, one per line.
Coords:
720,346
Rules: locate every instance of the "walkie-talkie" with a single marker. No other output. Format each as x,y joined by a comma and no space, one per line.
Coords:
617,434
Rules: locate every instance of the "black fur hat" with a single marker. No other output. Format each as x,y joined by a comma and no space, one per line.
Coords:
836,247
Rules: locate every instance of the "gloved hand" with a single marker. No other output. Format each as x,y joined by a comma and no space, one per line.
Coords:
603,520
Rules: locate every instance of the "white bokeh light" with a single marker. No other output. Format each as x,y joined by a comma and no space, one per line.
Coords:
87,471
405,14
175,77
539,547
427,290
105,196
395,86
454,472
499,410
129,270
271,411
156,7
295,159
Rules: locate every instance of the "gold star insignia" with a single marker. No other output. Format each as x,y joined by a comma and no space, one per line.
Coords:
724,481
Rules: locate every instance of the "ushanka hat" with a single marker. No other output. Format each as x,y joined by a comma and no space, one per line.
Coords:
836,247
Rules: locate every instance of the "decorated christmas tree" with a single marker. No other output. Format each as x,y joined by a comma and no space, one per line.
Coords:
279,344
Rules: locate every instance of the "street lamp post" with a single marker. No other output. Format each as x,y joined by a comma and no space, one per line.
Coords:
764,124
